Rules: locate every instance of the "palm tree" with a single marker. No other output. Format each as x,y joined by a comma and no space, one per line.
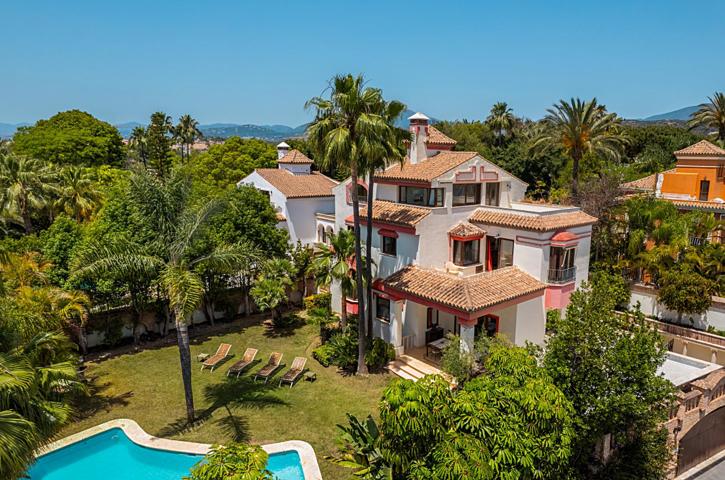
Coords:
347,126
186,133
165,204
78,194
333,262
137,141
578,128
36,380
390,148
25,186
712,115
501,120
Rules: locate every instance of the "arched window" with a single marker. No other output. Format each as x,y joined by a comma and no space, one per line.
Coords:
362,192
328,235
321,234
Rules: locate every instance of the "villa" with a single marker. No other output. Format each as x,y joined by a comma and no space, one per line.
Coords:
298,194
456,250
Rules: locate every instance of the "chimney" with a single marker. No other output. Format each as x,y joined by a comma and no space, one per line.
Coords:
282,150
419,130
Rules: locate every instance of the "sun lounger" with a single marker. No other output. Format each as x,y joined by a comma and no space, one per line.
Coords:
246,361
275,362
294,373
221,353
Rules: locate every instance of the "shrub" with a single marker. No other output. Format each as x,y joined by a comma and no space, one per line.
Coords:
344,345
233,461
379,354
320,300
616,283
324,354
553,317
455,362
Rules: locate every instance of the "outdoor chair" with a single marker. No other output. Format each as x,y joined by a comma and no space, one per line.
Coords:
274,363
221,353
295,372
246,361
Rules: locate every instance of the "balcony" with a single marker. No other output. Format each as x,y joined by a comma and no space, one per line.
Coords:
562,275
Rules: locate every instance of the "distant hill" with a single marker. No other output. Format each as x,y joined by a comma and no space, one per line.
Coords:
7,130
125,129
683,114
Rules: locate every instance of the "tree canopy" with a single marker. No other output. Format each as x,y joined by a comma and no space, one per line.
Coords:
71,137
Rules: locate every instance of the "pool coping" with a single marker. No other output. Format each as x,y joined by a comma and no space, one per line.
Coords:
138,435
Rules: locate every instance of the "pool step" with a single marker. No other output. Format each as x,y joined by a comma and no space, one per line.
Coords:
411,368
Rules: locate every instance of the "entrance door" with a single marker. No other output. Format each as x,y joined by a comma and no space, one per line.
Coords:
486,325
703,441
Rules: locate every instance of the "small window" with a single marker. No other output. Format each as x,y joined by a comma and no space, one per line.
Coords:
492,194
425,197
362,193
466,253
382,308
390,246
704,190
466,194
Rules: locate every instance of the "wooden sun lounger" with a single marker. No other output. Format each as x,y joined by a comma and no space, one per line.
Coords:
246,361
221,353
275,361
295,372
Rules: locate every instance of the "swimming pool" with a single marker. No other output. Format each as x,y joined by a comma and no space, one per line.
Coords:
112,455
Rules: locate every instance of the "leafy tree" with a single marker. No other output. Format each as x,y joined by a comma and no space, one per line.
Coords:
186,132
348,130
163,202
270,293
234,461
651,147
578,128
223,165
26,186
137,142
606,365
685,292
712,116
58,244
72,137
38,378
158,143
333,263
501,120
78,193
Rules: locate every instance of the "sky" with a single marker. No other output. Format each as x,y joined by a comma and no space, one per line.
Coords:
245,61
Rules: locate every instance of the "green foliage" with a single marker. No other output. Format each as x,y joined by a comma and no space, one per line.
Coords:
158,143
325,354
685,292
234,461
607,366
58,244
269,294
319,300
616,285
651,148
360,449
71,137
553,317
379,354
457,362
711,115
223,165
344,348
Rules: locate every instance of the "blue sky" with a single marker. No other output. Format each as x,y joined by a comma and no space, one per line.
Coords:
258,61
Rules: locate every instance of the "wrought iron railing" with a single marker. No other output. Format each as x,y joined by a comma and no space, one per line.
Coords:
562,275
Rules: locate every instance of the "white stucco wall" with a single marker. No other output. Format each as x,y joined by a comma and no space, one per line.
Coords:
647,298
531,321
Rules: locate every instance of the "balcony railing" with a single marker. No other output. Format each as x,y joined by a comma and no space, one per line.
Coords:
562,275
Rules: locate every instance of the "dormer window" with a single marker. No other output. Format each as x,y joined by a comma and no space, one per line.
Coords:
466,194
466,252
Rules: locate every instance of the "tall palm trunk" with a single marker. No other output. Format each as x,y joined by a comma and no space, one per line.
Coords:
182,337
362,369
575,158
368,256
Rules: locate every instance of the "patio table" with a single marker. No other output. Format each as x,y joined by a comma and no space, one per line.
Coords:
436,346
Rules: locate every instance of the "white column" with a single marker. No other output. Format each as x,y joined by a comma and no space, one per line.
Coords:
396,326
467,337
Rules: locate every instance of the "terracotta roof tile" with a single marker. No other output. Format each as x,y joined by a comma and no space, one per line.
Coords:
298,186
470,294
466,229
702,148
427,170
647,183
295,156
697,204
709,382
437,137
525,221
395,213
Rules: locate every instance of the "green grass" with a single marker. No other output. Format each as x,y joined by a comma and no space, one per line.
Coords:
146,387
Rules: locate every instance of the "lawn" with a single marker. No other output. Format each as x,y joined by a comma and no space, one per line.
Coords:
146,387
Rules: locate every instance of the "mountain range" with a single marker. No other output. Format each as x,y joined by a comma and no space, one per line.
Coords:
282,132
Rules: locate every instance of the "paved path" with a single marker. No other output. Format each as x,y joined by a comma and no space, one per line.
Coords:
715,473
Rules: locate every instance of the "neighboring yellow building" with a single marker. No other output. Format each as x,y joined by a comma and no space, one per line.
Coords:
696,183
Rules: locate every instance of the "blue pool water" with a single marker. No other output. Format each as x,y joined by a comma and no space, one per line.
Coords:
111,455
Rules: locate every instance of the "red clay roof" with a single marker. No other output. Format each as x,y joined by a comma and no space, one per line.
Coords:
647,183
295,156
466,229
395,213
525,221
469,294
427,170
696,204
701,148
437,137
298,186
